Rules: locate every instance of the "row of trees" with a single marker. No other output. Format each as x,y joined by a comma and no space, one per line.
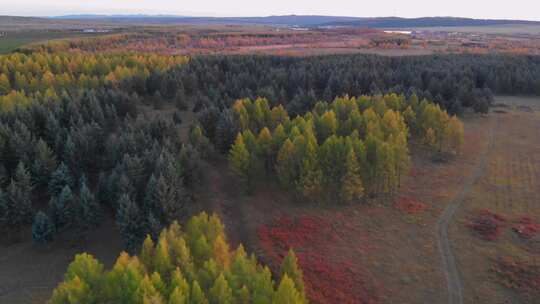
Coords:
190,265
87,155
346,149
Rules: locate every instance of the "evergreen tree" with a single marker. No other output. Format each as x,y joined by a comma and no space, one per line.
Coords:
44,163
178,297
239,161
60,178
221,292
264,143
147,254
180,287
87,212
63,208
42,228
73,292
226,130
286,164
287,293
151,199
352,188
311,180
290,269
15,203
167,198
197,295
162,259
128,219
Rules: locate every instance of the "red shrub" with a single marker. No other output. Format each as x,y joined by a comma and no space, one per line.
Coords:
526,227
487,225
410,206
313,238
520,276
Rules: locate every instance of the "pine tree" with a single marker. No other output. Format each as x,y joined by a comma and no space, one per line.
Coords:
167,198
17,202
286,164
147,254
220,291
197,295
87,212
60,178
178,297
44,163
326,126
23,179
287,293
290,269
239,161
162,259
87,268
352,188
179,285
264,143
73,291
151,198
42,228
221,252
153,226
70,156
128,219
226,130
310,183
62,208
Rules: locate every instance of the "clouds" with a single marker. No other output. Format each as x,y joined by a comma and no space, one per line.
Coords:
519,9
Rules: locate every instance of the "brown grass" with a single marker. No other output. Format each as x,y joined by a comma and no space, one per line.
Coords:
510,187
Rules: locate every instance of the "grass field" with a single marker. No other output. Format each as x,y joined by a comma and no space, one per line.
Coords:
509,188
13,40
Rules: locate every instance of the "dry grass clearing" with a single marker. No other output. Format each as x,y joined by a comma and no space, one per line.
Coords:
510,189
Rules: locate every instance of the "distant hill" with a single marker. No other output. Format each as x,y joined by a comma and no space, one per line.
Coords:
396,22
82,21
299,20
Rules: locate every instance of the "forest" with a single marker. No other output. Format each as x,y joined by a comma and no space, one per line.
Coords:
345,149
455,82
77,144
191,266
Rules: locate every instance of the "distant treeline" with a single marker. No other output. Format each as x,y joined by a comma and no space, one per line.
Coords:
453,81
397,22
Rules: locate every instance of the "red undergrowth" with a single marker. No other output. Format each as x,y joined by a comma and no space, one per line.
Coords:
487,225
526,227
313,239
410,206
519,275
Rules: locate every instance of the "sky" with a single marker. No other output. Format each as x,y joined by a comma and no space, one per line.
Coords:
488,9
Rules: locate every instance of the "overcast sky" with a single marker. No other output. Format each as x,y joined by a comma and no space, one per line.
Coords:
499,9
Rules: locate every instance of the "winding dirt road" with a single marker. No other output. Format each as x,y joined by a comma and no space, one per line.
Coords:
450,268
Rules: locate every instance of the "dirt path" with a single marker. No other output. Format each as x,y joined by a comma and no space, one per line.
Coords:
223,196
450,268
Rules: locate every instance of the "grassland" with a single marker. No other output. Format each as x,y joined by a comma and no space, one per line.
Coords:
509,188
13,40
